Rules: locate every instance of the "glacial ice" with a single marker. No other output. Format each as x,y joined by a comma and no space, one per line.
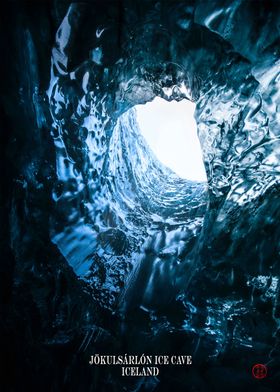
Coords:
132,257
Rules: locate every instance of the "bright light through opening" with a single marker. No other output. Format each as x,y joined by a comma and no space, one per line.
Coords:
170,130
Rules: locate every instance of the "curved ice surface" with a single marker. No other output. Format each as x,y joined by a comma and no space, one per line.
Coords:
184,258
139,196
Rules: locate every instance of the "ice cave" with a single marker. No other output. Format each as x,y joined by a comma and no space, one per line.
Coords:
110,248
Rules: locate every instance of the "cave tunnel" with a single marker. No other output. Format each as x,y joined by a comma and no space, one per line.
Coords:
110,251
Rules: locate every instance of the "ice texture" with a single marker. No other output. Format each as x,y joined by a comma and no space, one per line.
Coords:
110,249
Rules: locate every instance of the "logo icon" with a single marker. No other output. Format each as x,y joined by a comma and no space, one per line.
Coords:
259,371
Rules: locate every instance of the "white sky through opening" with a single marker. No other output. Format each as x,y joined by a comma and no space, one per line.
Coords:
170,130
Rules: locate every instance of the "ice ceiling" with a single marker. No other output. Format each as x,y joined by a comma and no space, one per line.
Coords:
150,261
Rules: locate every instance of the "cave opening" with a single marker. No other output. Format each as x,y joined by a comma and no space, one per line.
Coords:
170,129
